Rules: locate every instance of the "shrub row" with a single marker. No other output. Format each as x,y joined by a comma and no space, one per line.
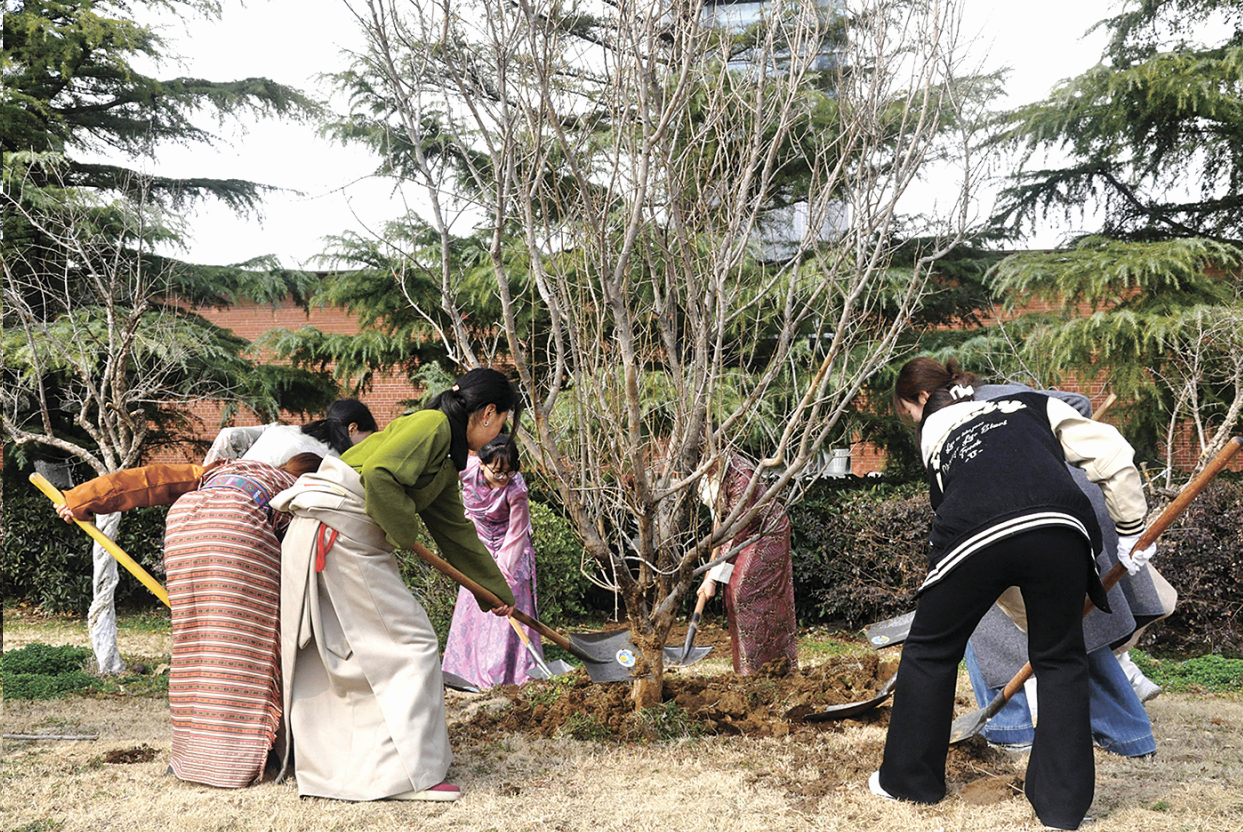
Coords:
858,552
48,562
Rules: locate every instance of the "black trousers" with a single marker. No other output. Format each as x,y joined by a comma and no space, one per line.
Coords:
1048,565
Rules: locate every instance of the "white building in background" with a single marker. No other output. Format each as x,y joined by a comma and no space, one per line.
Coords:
784,228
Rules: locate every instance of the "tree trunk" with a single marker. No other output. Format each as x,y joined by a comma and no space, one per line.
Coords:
649,687
102,619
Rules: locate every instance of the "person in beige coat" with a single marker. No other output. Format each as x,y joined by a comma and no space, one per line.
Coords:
364,696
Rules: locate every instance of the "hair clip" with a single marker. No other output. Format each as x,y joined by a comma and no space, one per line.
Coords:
959,391
456,389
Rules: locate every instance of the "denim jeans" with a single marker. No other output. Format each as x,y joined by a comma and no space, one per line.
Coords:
1119,722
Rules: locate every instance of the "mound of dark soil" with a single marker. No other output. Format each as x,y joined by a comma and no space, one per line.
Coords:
770,702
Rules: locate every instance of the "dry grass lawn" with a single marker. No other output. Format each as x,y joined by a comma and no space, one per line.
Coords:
811,779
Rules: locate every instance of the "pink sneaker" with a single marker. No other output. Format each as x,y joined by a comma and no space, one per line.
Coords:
443,792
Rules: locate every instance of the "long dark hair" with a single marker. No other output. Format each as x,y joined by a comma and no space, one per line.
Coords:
502,447
943,384
334,429
473,392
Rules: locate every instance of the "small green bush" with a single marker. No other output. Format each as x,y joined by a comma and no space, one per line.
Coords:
1211,673
45,659
40,671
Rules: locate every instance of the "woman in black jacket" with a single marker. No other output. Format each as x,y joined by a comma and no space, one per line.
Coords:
1008,513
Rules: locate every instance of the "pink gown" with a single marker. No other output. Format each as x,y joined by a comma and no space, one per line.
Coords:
483,648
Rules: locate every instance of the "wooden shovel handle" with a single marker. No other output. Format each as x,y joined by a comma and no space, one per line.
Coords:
1105,405
441,565
1185,497
53,493
1177,507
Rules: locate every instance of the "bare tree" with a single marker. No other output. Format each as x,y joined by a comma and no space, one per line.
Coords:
96,349
637,164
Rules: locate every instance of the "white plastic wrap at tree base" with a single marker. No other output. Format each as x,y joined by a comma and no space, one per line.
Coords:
102,618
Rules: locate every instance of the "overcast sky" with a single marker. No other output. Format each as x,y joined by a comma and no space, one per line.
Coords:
291,41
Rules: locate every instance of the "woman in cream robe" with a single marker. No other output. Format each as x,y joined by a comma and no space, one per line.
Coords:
364,700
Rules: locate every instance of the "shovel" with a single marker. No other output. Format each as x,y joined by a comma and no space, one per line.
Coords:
847,709
109,546
608,657
689,654
452,680
543,669
969,725
890,631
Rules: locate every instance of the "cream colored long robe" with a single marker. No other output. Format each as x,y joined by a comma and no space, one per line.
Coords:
364,701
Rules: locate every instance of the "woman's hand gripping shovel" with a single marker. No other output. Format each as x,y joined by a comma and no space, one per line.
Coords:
53,494
608,657
689,654
543,669
969,725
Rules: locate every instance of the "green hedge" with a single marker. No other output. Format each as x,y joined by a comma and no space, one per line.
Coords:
560,585
47,561
1201,555
858,547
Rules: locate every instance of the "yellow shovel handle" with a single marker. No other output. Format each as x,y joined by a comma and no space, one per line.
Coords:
53,494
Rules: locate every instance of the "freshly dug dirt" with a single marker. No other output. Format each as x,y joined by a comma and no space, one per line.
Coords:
772,703
768,703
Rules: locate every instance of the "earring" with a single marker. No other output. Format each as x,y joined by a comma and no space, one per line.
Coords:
487,422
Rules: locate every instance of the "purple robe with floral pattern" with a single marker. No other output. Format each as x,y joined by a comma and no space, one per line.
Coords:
483,648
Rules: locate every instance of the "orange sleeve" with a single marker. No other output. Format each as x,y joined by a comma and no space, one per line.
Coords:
150,485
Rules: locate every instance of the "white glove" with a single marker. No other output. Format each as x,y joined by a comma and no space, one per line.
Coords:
1134,560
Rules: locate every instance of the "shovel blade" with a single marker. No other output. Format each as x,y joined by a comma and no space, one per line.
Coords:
452,680
608,657
890,631
968,725
848,709
555,668
674,656
602,647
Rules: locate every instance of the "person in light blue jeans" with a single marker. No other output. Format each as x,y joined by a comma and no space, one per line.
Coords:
1120,724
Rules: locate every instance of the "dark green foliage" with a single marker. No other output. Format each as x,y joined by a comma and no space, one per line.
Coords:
1152,132
48,561
1211,673
1202,556
45,660
859,551
435,591
39,686
39,671
561,585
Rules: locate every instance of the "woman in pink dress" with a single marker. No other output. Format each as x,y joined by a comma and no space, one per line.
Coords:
481,647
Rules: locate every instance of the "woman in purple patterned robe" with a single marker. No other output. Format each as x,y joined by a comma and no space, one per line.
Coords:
481,647
759,589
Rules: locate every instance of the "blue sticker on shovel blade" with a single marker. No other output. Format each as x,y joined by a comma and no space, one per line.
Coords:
625,658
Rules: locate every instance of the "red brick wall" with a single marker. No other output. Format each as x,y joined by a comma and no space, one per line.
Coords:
386,393
384,397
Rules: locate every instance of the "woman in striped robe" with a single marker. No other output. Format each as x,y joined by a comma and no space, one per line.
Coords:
222,557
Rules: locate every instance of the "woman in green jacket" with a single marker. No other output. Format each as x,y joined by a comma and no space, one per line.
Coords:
364,698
